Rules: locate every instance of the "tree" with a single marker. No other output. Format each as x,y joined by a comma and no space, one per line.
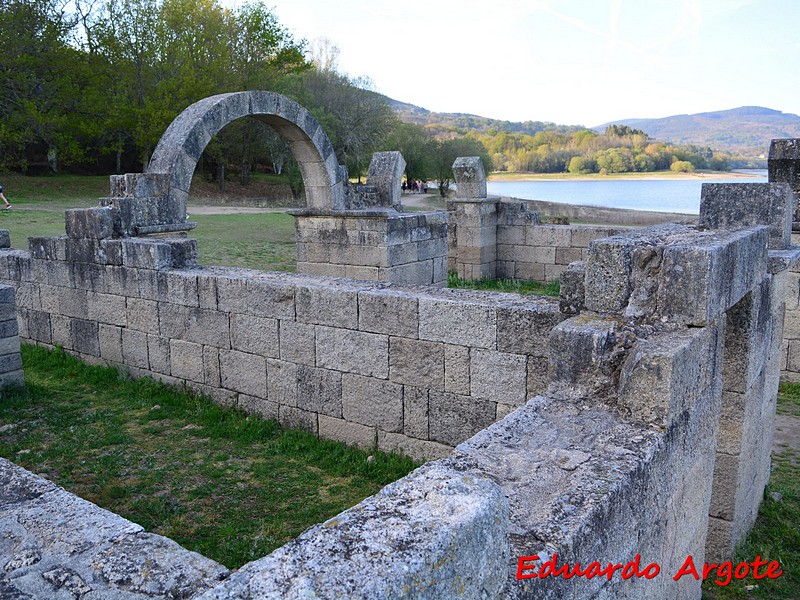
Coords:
416,145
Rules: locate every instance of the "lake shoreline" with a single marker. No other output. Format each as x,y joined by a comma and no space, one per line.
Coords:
648,176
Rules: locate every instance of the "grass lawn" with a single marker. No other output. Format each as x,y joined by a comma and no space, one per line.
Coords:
228,486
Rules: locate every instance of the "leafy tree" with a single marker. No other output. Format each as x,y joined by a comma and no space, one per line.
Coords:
417,147
445,152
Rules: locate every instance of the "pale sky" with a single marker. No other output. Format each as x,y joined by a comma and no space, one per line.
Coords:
568,61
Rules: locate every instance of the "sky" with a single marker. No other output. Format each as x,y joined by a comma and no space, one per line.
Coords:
574,62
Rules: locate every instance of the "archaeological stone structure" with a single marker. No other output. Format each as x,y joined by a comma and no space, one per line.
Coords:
632,417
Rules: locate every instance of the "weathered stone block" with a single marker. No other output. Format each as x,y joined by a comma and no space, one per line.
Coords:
194,325
85,337
134,348
256,335
319,390
158,354
454,418
295,418
186,360
257,297
297,342
456,369
572,291
351,434
498,376
747,204
524,328
463,323
253,405
48,248
97,222
106,308
178,287
353,351
371,401
110,341
282,382
328,306
243,372
386,174
415,412
416,362
142,315
470,177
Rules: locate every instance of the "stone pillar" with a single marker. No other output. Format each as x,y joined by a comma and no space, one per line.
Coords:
783,166
751,364
473,223
10,358
386,175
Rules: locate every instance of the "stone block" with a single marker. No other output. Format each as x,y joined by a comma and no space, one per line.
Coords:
134,348
538,375
524,328
297,342
419,450
186,359
295,418
178,287
498,376
85,337
529,271
572,291
470,177
747,204
319,390
454,418
282,383
353,351
565,256
580,350
158,354
664,374
243,372
462,323
253,405
553,272
416,362
328,306
556,236
5,238
457,369
97,222
255,297
61,328
256,335
48,248
351,434
194,325
415,273
511,235
373,402
106,308
386,174
10,363
415,412
583,235
110,341
211,373
142,315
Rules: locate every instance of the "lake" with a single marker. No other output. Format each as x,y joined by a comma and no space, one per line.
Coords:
661,195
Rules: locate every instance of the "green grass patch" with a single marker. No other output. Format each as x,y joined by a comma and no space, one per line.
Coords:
223,484
776,534
504,285
255,241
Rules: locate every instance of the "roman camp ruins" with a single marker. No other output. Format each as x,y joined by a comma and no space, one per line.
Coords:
631,416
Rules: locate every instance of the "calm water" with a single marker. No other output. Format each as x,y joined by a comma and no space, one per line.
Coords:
671,195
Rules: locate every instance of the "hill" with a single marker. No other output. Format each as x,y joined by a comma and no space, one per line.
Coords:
467,122
746,130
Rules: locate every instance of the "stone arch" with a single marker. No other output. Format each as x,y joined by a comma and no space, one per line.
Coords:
187,136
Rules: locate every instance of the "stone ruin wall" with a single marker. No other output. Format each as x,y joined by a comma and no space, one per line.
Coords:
641,425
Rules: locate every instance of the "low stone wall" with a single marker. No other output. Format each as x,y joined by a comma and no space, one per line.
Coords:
374,245
11,374
418,370
543,252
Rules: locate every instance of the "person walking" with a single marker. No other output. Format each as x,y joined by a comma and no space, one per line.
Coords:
3,198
